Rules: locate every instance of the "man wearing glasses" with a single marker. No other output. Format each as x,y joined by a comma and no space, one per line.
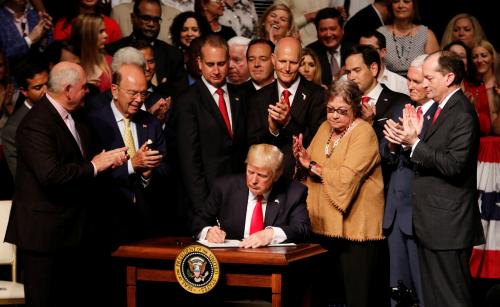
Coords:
146,21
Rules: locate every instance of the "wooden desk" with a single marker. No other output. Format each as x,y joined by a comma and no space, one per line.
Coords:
262,267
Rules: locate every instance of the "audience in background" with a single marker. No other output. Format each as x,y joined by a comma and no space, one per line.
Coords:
310,67
241,16
238,66
276,23
260,66
186,27
465,28
212,10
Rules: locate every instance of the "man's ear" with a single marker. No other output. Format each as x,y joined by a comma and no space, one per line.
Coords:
23,91
273,60
449,78
114,91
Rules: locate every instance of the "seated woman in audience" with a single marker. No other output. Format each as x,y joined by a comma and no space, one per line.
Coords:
465,28
406,37
473,88
346,195
276,23
484,58
310,67
212,10
187,26
62,28
87,40
241,16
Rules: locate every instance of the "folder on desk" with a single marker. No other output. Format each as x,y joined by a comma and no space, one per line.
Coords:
236,244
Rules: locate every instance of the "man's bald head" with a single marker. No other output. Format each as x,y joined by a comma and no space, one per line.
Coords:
286,60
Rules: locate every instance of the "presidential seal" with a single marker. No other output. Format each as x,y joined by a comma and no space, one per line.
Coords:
197,269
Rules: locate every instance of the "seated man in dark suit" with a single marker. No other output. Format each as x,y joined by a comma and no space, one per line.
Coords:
261,208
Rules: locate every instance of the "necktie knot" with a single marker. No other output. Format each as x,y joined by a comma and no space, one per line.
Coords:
257,222
286,96
220,91
365,99
126,121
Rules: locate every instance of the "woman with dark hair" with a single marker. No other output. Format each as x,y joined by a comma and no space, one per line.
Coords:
212,10
187,26
406,37
346,196
62,28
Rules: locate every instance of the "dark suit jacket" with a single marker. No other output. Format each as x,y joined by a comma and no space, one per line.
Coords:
387,104
51,202
9,137
308,112
205,148
169,60
398,207
131,201
322,53
445,201
364,20
286,208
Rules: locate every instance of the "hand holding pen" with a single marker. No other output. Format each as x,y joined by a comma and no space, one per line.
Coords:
215,234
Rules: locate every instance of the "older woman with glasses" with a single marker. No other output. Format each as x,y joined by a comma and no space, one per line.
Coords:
346,196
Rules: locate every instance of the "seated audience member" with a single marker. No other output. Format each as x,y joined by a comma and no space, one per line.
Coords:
23,30
329,23
398,227
370,18
346,198
241,16
186,27
32,78
406,38
121,13
63,26
146,19
276,23
310,67
484,58
260,207
238,66
212,10
260,65
182,5
87,40
286,107
465,28
392,80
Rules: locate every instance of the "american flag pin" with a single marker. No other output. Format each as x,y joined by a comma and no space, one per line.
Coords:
237,98
428,117
144,126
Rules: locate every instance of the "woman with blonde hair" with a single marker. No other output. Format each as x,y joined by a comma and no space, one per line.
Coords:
88,37
310,67
276,23
465,28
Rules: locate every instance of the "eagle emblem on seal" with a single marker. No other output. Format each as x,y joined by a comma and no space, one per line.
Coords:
197,266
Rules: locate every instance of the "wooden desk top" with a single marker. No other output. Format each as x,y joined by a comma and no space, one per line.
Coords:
169,247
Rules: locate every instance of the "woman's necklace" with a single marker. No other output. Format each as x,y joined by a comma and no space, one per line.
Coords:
399,43
329,150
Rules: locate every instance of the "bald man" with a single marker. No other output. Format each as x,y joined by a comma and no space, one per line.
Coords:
288,106
55,190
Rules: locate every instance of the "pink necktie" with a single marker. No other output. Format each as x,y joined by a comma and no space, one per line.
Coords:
419,113
223,110
334,66
436,114
71,125
286,95
257,223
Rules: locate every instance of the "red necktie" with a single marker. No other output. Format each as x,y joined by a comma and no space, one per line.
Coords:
365,99
223,110
257,223
286,95
420,113
436,114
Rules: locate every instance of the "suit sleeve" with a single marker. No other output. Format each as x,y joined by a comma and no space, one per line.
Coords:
451,161
298,228
42,154
9,147
207,215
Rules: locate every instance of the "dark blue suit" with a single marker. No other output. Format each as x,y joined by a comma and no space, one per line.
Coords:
133,203
398,213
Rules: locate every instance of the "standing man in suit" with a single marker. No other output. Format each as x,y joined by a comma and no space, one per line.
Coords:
260,66
288,106
50,217
209,125
121,122
259,208
32,79
362,65
398,226
446,216
329,26
146,19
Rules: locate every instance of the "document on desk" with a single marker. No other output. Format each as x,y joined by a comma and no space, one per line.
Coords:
236,243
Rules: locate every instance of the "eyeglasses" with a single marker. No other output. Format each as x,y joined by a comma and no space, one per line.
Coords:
147,18
339,110
134,94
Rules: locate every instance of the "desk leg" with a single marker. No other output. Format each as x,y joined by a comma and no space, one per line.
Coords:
131,286
276,286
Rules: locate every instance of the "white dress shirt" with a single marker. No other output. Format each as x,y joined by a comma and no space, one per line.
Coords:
213,91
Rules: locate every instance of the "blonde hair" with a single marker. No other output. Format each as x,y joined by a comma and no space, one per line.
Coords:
261,29
266,156
317,73
84,38
491,50
448,32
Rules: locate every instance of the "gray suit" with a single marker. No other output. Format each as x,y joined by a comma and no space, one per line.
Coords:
9,137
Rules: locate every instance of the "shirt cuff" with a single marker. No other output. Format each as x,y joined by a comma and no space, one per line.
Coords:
130,167
279,235
145,181
95,168
28,41
203,233
413,147
274,134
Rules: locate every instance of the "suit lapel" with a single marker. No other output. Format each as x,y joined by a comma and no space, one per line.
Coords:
234,101
276,197
442,116
208,102
62,125
383,104
300,100
428,118
141,128
241,197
